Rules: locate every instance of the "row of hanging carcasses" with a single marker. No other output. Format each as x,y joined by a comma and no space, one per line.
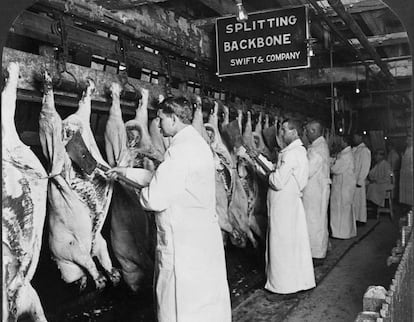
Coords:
79,203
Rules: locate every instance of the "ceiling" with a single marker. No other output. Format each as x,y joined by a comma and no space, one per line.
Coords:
384,52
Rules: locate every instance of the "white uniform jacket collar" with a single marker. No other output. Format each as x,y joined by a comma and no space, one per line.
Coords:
185,132
360,146
346,150
293,145
318,141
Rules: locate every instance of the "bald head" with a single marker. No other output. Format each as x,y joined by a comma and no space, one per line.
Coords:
313,130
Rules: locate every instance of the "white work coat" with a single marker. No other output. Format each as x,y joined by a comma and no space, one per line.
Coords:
406,177
289,265
343,223
379,182
362,163
190,270
316,197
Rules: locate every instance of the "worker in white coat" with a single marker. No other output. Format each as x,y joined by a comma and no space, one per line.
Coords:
316,192
343,223
190,271
362,162
406,174
289,266
379,179
394,159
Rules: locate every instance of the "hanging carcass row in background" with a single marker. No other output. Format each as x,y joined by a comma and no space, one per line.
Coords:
132,228
225,177
24,187
78,202
240,201
250,180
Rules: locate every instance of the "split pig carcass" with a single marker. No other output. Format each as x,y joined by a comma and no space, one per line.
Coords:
225,182
24,188
253,185
233,215
78,203
133,228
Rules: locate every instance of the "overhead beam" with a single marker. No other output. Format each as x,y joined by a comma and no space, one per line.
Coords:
356,6
125,4
349,20
323,76
35,64
39,27
381,40
151,24
225,7
222,7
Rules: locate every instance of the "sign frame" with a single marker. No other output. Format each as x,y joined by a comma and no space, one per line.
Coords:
307,32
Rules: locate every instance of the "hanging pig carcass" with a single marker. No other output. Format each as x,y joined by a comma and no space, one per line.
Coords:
254,186
24,187
132,228
225,178
78,203
115,133
237,209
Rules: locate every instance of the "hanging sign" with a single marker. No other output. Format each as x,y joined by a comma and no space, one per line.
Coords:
267,41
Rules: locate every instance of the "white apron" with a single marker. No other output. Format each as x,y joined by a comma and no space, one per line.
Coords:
362,163
289,266
316,197
406,177
380,183
343,224
190,272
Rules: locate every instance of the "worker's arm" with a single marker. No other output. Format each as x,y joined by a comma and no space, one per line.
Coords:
280,177
166,184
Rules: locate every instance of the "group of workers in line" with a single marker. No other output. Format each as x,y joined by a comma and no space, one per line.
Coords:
190,271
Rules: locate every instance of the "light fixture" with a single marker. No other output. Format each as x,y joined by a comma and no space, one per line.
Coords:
385,138
310,42
357,83
340,130
311,53
365,132
241,12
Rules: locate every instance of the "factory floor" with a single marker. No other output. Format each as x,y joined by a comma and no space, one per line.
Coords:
351,266
338,298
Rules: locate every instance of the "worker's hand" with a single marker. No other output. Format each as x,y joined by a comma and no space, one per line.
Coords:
252,153
113,173
148,164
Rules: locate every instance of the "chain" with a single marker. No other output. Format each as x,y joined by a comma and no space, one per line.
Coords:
123,49
166,65
60,28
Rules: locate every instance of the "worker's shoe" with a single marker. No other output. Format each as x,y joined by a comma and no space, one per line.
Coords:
270,296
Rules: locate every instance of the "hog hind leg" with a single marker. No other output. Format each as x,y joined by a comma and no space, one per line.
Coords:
81,258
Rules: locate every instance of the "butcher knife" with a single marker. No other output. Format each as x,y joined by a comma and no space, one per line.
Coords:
80,155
